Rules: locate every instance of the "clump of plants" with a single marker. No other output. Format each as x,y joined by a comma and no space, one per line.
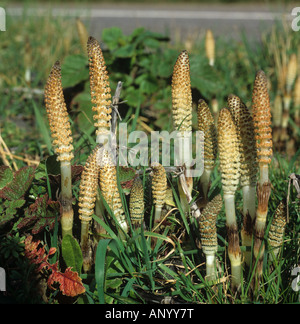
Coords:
106,233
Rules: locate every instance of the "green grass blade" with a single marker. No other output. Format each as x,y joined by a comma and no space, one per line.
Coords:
100,268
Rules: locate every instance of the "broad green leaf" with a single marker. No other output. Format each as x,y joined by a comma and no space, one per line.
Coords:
6,176
148,86
71,253
112,37
85,117
134,97
100,268
10,211
74,70
52,165
204,77
19,185
125,51
18,203
43,212
152,43
42,126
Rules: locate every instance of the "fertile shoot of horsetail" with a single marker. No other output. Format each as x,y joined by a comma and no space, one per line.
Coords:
62,142
277,229
263,135
182,114
229,154
87,197
248,167
206,124
159,189
136,203
262,125
208,234
210,47
100,90
109,187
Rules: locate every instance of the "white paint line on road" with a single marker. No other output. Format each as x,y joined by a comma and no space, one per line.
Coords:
150,14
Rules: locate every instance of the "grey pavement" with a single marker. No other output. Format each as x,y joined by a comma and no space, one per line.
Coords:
179,21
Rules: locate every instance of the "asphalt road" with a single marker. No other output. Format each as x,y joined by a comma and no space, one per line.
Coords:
178,21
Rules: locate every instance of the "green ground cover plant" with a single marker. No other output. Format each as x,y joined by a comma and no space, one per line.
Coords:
163,259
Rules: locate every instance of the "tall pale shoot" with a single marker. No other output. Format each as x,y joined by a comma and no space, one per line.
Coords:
62,142
248,167
182,114
228,144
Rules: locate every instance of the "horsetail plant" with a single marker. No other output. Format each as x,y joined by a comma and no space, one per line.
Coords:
100,90
263,135
87,197
277,112
262,125
62,141
296,98
291,75
206,124
208,234
82,34
210,47
101,100
182,115
159,189
136,203
109,186
248,167
229,155
277,229
182,94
